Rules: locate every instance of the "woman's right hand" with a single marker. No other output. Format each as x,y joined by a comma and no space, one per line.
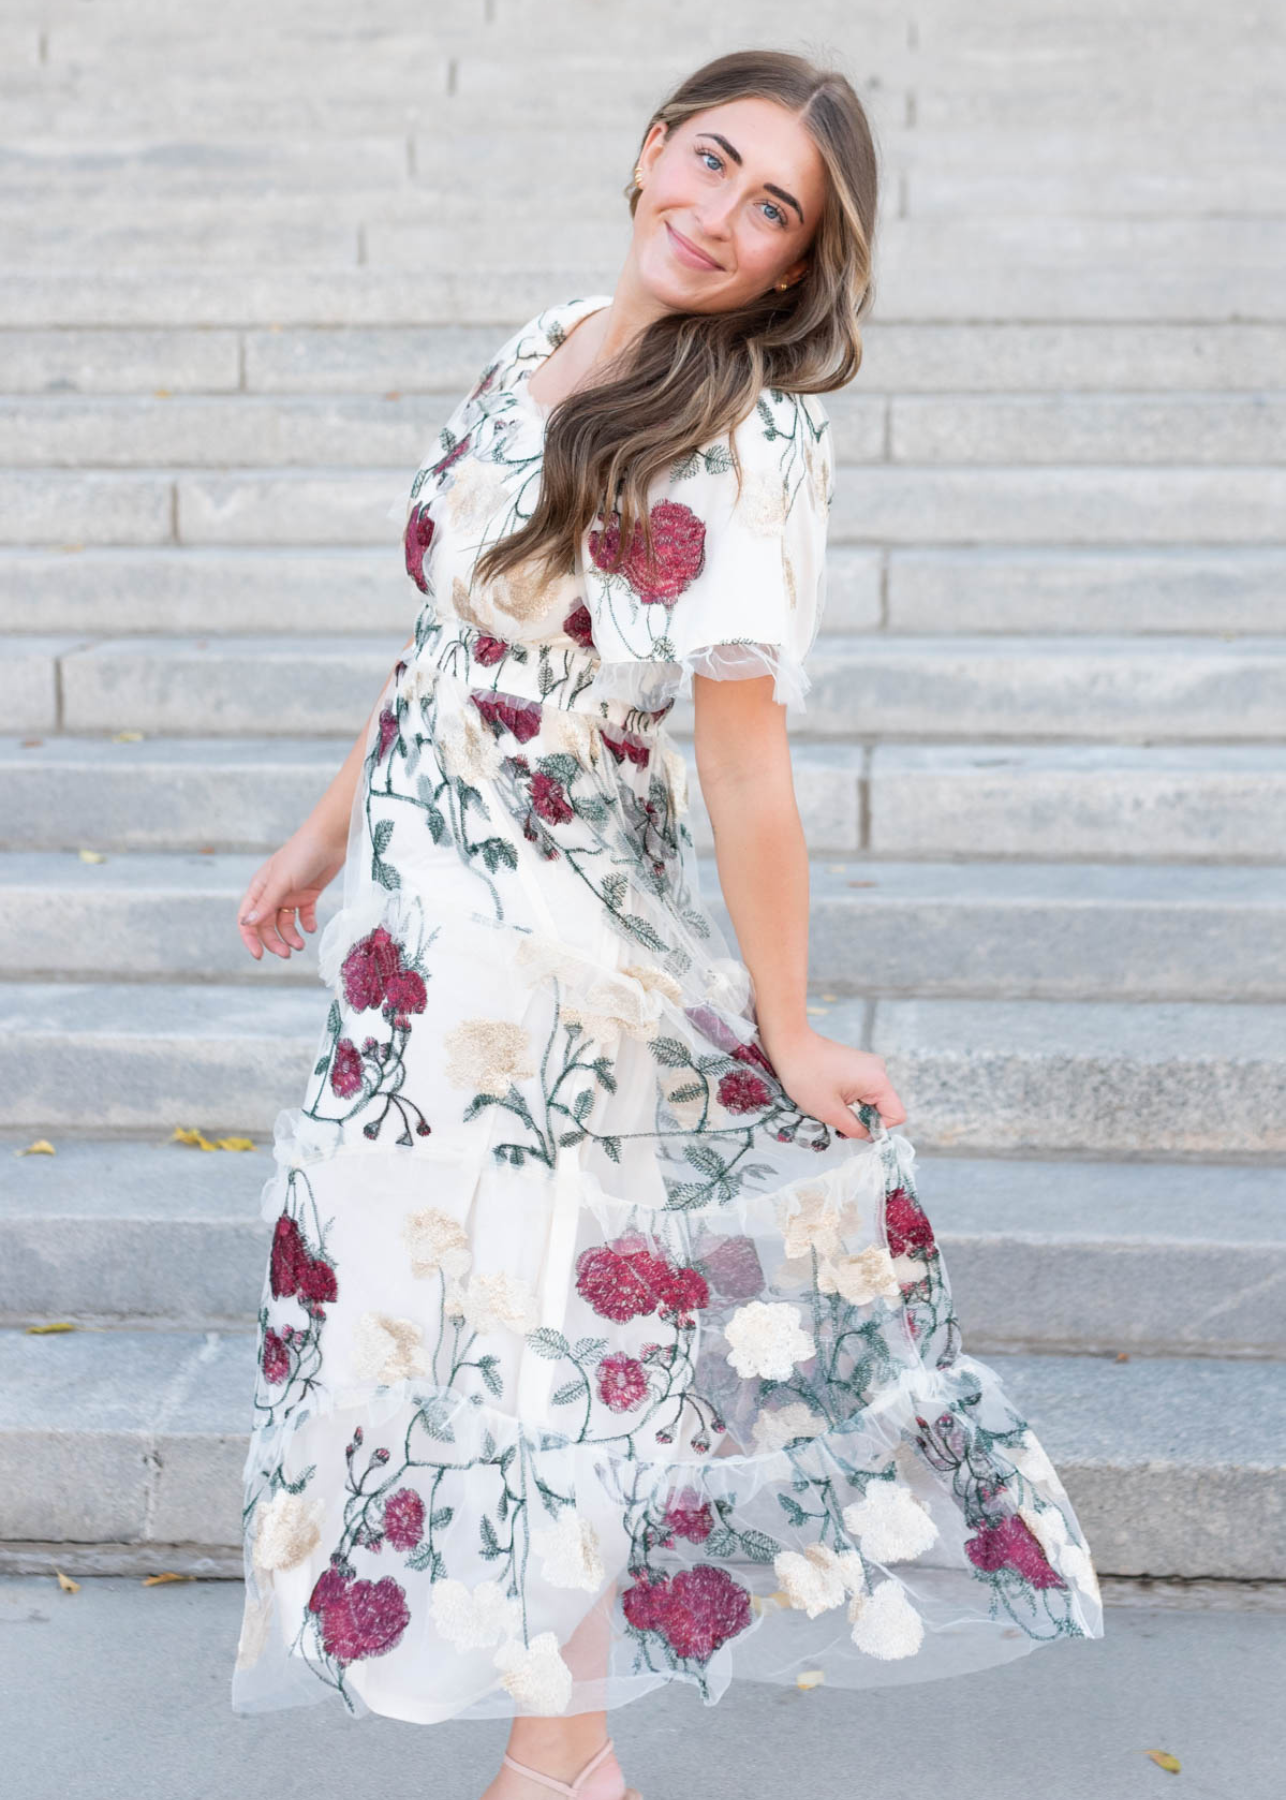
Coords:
289,883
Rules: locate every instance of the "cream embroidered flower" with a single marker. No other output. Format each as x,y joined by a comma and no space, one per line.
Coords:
256,1617
438,1243
520,593
817,1578
861,1278
762,507
387,1349
819,474
494,1302
885,1624
655,981
766,1339
1029,1458
676,775
465,607
474,1619
571,1554
1049,1528
815,1224
488,1055
288,1530
419,680
468,750
774,1429
476,494
536,1675
890,1523
574,734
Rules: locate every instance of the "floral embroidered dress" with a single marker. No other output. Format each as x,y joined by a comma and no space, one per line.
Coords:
587,1362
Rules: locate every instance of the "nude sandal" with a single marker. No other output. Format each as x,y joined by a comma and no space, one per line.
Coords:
572,1788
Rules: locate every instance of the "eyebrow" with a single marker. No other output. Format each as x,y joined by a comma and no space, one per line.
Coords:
770,186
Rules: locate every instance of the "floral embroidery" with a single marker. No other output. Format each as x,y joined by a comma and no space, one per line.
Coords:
677,559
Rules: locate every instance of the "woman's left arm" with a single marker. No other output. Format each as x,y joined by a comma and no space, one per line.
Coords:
747,783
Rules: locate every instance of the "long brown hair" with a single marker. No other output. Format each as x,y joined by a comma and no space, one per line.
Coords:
689,377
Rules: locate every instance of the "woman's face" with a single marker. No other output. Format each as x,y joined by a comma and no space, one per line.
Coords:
731,199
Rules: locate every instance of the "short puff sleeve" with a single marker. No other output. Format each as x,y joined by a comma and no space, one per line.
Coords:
736,586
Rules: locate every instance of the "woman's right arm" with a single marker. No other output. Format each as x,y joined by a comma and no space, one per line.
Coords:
291,880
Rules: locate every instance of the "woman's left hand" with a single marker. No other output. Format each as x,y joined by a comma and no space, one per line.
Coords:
825,1078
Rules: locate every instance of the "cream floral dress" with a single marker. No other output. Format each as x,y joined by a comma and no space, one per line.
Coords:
588,1362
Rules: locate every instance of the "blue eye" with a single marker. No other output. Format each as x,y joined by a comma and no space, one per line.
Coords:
781,218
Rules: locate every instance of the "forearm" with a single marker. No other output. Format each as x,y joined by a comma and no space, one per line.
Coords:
762,858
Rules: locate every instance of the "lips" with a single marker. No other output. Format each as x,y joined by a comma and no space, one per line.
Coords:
691,247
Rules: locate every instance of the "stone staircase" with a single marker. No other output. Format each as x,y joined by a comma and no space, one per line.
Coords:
1043,772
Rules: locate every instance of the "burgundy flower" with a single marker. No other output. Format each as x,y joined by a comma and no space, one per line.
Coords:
622,1382
550,800
706,1608
317,1281
579,626
1011,1544
346,1069
752,1053
714,1027
522,718
678,556
368,968
366,1619
453,455
742,1092
616,1286
910,1233
404,1519
419,535
733,1266
644,1602
624,747
689,1516
276,1359
388,732
488,650
683,1290
329,1588
288,1257
405,993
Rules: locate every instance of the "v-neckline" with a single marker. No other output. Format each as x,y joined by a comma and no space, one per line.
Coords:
574,313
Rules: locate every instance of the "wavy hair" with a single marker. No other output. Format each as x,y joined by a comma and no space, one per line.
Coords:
689,377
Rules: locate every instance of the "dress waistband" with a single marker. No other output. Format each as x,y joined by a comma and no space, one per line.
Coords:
557,674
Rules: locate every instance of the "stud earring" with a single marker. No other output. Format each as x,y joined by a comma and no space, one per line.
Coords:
638,175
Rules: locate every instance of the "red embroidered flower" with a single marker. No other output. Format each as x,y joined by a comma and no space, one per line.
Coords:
388,732
622,1382
489,650
714,1027
689,1516
418,537
288,1257
276,1359
678,556
734,1268
1011,1544
682,1291
742,1092
404,1519
910,1233
751,1053
405,993
520,717
550,799
579,626
612,1287
366,1619
317,1282
368,968
696,1610
452,456
329,1588
644,1602
346,1069
623,747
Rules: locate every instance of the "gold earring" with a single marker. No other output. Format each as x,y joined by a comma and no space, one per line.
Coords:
782,285
638,175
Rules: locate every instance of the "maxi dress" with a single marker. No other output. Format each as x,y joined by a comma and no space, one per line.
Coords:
587,1361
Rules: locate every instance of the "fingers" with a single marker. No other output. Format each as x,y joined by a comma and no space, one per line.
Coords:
265,921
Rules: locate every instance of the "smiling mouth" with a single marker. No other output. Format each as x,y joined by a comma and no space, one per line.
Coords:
689,245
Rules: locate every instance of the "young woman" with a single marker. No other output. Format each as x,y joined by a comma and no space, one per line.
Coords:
602,1344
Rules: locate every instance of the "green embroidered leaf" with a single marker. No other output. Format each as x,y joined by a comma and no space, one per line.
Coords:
545,1341
568,1138
490,1542
758,1546
506,1456
433,1417
640,928
385,874
421,1556
436,822
615,888
706,1158
488,1447
669,1052
793,1510
721,1543
380,836
570,1390
320,1068
602,1067
491,1374
691,1090
333,1018
495,851
611,1147
589,1348
560,765
439,1520
582,1103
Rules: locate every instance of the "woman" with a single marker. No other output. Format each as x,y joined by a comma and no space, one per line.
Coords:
602,1344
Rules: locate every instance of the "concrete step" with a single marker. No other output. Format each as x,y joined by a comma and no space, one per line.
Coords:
1073,1256
921,689
215,591
990,930
367,430
1096,1077
1099,803
121,1437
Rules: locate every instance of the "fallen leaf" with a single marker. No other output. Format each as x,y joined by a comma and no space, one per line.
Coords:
160,393
41,1147
169,1575
207,850
32,743
127,737
1164,1760
810,1678
234,1143
394,394
66,1583
57,1325
863,884
72,547
830,996
816,1011
1122,1356
188,1134
91,856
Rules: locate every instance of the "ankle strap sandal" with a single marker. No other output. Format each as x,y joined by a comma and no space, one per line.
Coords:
573,1788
